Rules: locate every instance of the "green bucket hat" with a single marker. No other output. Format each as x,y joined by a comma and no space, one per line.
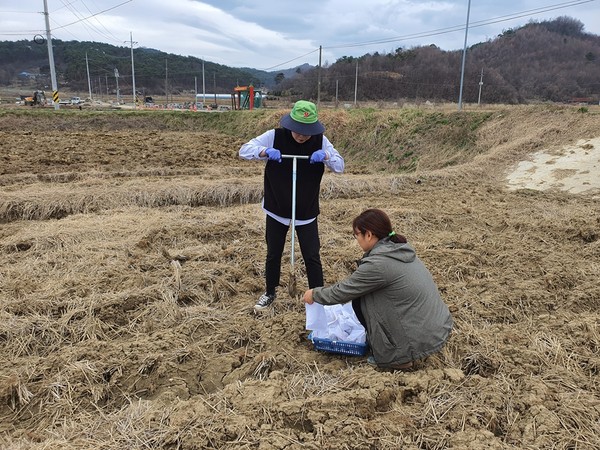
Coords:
303,119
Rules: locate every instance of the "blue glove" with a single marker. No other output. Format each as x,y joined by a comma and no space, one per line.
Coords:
318,156
273,154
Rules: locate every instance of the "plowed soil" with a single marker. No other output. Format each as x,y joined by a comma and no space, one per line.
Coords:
131,257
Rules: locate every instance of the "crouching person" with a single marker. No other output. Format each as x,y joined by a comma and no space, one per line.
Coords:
393,295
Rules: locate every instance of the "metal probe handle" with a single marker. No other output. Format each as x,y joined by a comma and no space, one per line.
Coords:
293,222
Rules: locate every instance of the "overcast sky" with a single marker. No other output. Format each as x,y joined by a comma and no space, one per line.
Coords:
274,35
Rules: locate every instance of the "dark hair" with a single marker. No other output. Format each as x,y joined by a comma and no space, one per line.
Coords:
377,222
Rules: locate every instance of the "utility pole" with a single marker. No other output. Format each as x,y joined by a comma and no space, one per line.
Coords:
480,85
118,93
132,70
166,82
356,83
87,67
337,85
55,98
319,79
215,86
464,57
203,86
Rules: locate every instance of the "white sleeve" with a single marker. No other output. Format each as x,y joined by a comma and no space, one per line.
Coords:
251,149
335,162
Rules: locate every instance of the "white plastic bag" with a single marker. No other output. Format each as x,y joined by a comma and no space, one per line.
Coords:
335,322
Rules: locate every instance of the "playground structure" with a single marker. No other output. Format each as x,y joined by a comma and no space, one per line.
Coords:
244,97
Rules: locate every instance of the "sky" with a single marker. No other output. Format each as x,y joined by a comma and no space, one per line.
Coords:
275,35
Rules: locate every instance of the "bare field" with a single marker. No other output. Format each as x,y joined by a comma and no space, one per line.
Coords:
131,254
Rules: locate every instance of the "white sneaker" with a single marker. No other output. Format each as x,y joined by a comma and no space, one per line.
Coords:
264,301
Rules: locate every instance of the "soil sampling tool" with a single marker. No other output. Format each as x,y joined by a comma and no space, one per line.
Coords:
292,278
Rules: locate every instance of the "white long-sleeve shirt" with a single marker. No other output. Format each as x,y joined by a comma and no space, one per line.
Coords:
252,149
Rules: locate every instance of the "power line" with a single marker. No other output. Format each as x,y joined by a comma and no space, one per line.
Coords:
461,27
75,13
93,15
291,60
19,12
446,30
101,24
79,16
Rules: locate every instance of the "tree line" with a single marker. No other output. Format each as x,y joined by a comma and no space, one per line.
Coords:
155,72
552,61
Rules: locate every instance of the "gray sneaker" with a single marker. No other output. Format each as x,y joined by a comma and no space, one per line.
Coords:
264,301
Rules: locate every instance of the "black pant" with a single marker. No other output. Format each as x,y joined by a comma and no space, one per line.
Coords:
310,246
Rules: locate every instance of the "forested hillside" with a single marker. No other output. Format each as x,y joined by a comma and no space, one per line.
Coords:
546,61
155,71
554,61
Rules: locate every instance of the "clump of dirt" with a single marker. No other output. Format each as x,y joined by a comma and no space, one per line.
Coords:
131,262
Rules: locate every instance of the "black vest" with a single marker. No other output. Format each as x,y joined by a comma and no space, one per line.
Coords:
278,177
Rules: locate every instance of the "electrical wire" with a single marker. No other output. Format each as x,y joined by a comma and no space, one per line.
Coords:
475,24
291,60
101,24
93,15
79,19
86,23
446,30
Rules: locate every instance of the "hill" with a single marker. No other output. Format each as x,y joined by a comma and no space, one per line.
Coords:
552,61
272,79
26,63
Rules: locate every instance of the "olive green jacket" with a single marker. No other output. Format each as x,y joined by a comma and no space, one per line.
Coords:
406,319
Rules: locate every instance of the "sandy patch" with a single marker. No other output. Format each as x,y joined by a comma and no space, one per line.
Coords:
575,169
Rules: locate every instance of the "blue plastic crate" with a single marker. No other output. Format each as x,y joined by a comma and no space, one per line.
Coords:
340,347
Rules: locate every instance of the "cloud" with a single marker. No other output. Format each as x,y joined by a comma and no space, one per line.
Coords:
202,30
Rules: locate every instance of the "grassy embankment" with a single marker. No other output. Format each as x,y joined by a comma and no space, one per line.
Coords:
393,141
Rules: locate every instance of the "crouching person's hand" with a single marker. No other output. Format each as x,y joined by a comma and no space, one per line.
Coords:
308,297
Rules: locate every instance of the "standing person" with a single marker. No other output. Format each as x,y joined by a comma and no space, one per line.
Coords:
393,295
300,133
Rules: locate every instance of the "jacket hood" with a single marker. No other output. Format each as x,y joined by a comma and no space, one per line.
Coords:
401,252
